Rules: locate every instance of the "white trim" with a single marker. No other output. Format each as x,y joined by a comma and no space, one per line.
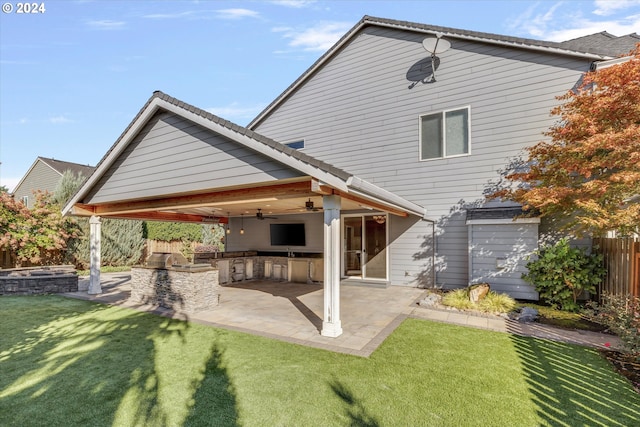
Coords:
596,66
503,221
443,141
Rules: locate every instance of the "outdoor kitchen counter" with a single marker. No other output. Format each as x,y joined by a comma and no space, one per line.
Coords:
239,266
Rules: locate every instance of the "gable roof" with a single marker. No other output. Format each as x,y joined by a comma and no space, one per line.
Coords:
61,166
58,166
326,174
580,50
604,43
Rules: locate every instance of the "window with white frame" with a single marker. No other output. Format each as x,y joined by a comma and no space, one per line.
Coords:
25,200
444,134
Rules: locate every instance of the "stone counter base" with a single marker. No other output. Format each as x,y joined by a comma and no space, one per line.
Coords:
181,291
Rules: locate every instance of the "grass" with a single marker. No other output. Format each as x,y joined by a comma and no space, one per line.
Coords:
105,269
563,319
67,362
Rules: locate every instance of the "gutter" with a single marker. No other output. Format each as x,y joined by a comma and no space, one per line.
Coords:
357,185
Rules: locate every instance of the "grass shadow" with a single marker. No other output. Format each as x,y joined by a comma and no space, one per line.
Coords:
568,388
71,362
354,409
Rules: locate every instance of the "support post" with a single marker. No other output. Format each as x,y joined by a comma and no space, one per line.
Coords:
94,242
331,325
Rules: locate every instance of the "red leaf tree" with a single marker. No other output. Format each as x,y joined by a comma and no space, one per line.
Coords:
589,169
37,235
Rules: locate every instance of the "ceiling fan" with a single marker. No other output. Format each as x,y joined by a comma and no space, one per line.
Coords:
309,206
260,216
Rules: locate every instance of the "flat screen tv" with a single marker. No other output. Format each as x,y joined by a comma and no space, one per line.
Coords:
287,235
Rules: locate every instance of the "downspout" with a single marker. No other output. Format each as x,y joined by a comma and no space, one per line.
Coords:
433,252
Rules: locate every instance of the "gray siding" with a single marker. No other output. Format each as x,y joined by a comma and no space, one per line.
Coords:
360,112
257,238
39,177
173,155
511,244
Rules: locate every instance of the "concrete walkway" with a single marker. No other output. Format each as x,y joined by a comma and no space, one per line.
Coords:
293,312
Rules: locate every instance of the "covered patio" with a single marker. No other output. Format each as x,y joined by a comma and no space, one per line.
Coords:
286,311
175,162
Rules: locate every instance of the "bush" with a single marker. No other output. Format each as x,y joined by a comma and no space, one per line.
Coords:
561,273
458,299
493,302
621,314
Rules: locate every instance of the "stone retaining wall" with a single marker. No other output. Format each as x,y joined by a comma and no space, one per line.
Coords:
183,290
38,284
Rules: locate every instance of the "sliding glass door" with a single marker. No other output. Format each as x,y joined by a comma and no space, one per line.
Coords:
365,246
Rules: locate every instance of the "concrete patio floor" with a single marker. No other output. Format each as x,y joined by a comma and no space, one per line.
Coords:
293,312
287,311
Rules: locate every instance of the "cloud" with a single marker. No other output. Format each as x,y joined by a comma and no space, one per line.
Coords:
206,14
56,120
562,21
297,4
608,7
319,38
236,13
177,15
106,24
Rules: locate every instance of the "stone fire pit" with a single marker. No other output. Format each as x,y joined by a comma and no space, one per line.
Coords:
38,280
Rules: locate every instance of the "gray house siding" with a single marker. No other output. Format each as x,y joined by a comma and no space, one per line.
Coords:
171,154
40,177
257,237
498,254
360,112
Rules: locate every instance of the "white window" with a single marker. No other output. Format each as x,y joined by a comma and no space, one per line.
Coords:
444,134
25,200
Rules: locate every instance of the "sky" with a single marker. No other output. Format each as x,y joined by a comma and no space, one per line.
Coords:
74,75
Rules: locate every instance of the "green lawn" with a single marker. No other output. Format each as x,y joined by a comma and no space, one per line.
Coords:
65,362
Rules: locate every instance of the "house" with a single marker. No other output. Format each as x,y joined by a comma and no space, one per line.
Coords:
383,149
44,175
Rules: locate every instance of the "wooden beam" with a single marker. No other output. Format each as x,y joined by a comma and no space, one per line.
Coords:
271,192
372,204
170,217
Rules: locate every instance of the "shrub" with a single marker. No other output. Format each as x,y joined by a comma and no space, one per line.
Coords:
458,299
494,302
621,314
561,273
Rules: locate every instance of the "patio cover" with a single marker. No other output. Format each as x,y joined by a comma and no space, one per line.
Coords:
176,162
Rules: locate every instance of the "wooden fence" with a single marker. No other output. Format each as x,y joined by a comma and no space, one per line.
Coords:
622,262
162,246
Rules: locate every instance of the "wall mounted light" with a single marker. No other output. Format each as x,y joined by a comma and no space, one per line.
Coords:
380,219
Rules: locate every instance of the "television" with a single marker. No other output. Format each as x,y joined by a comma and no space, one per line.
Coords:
287,235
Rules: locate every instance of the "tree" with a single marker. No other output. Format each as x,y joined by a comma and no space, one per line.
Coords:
589,170
38,235
67,187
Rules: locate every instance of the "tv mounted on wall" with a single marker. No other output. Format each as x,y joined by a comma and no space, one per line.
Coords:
287,235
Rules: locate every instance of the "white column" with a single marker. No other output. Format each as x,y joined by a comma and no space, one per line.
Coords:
331,325
94,242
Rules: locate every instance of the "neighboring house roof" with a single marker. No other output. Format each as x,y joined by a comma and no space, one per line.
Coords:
585,49
59,167
603,43
292,158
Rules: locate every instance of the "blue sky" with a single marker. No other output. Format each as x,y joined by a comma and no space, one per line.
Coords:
73,77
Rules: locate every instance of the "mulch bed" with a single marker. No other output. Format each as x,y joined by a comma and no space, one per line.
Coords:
626,364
